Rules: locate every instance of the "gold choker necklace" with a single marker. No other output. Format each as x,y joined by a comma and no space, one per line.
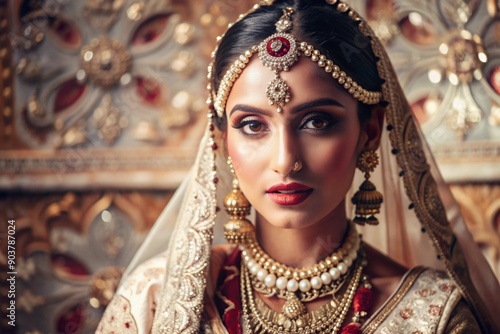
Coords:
259,318
326,277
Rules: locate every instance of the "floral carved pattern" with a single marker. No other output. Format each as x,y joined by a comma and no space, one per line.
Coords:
96,82
71,250
447,57
87,51
446,54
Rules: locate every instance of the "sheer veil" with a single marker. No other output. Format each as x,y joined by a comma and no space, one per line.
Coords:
420,222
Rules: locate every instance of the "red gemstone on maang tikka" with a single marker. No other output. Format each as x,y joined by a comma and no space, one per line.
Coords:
278,46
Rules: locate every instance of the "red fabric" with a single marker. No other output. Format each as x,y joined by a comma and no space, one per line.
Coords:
362,300
351,329
228,298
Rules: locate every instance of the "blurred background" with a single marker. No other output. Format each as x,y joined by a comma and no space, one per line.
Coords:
102,105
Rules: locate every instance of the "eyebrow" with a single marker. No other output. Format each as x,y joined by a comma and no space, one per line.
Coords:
247,108
317,103
307,105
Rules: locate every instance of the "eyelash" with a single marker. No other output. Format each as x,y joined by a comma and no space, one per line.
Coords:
243,122
329,120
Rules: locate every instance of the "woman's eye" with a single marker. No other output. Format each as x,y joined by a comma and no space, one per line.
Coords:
316,123
252,127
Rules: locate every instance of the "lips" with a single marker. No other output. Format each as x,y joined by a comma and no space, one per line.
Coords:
289,194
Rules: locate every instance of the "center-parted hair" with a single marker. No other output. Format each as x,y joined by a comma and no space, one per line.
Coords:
333,33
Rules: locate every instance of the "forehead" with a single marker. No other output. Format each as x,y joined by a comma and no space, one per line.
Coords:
306,80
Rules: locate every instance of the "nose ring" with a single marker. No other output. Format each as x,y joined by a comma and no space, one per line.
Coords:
297,166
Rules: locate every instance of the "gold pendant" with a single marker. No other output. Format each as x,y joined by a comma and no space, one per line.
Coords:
293,308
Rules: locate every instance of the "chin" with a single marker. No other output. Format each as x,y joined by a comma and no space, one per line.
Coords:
288,221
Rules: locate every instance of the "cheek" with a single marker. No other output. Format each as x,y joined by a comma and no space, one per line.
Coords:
245,156
334,158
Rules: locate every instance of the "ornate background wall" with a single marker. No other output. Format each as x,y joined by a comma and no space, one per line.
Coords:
102,105
447,56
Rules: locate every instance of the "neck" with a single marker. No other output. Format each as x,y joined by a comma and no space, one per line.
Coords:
302,247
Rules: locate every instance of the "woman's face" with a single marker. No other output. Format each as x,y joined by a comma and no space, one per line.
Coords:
319,127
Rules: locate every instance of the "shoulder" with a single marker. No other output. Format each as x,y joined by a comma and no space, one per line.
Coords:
425,301
427,291
434,290
428,278
134,303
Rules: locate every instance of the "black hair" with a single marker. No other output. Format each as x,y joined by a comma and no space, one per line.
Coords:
332,32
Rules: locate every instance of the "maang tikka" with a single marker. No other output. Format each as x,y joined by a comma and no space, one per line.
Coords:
279,52
238,230
367,199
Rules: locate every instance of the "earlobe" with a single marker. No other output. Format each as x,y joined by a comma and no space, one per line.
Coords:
373,128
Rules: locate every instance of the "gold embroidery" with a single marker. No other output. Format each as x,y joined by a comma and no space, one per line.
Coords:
447,287
181,300
234,272
462,321
372,324
421,306
419,184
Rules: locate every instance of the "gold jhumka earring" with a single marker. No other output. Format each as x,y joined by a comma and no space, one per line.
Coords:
238,230
367,199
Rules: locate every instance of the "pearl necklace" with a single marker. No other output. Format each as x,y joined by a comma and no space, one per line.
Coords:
326,277
259,318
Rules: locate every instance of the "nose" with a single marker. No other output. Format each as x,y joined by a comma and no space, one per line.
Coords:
286,156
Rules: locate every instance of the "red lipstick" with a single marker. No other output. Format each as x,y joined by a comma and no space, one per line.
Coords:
289,194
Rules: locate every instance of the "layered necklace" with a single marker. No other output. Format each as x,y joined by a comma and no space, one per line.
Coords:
339,275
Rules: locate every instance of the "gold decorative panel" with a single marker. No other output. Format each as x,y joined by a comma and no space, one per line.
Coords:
447,56
102,105
70,251
102,94
480,205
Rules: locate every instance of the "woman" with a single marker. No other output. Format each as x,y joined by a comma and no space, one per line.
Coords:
302,93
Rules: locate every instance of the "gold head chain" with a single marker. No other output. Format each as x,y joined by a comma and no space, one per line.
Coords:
279,52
